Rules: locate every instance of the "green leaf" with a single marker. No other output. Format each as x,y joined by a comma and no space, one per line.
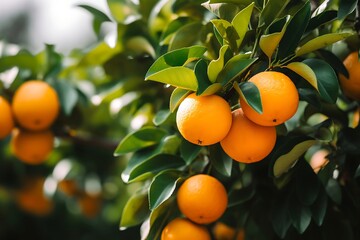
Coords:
300,216
240,196
189,151
151,166
227,32
99,55
271,11
161,117
327,80
289,152
294,32
203,81
241,22
334,61
321,19
176,58
270,41
250,93
186,36
280,217
319,207
215,66
321,42
124,11
177,96
68,96
136,210
357,172
346,7
234,68
304,71
22,60
99,17
145,137
172,27
181,77
212,89
162,187
307,184
333,190
221,162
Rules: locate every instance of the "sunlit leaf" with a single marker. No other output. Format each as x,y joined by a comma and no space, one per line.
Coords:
176,98
288,153
162,187
241,22
145,137
22,60
327,80
215,66
321,42
136,210
304,71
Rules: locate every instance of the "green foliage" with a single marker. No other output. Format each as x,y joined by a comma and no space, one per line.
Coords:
118,107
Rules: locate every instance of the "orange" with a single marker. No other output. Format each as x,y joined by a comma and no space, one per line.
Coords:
31,197
351,86
35,105
202,198
203,120
279,99
68,187
32,147
183,229
90,205
246,141
6,118
224,232
319,159
356,118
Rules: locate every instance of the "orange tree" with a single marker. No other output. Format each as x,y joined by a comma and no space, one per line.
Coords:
242,51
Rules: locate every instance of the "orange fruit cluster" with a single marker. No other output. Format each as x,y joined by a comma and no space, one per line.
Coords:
244,134
34,108
202,199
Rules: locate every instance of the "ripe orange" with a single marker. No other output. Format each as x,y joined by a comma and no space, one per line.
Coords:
31,197
90,205
183,229
356,118
351,86
32,147
68,187
318,160
203,120
279,98
246,141
202,198
6,118
35,105
224,232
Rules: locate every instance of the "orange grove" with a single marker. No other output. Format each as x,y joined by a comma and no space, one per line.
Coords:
203,120
183,229
35,105
246,141
202,198
6,118
279,99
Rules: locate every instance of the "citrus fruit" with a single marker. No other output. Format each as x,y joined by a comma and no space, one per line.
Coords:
279,99
222,231
32,147
319,159
183,229
351,86
68,187
203,120
6,118
35,105
356,118
202,198
31,197
90,205
248,142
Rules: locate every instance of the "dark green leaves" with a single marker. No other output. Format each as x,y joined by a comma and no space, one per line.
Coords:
250,93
